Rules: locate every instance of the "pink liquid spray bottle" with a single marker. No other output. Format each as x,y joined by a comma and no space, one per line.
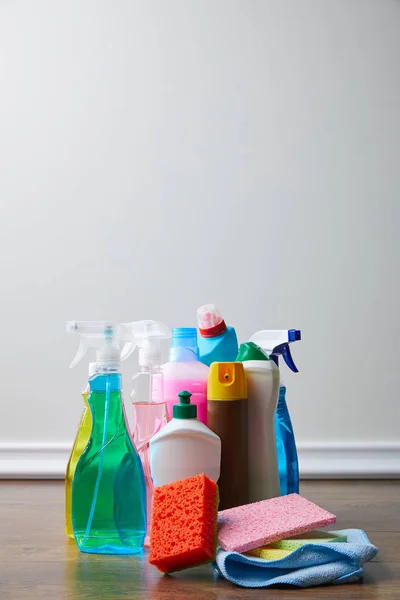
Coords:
149,406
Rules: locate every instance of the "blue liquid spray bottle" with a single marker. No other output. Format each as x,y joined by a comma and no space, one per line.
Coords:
276,343
108,490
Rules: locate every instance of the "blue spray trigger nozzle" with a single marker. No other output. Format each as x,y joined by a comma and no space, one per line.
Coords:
275,342
294,335
284,350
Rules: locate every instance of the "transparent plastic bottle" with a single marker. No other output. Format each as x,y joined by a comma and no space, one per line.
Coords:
80,443
276,343
150,416
149,407
288,464
108,491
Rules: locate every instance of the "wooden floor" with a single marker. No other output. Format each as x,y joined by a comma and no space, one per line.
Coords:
37,561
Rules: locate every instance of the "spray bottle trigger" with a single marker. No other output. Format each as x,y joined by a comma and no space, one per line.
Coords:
285,350
127,350
82,349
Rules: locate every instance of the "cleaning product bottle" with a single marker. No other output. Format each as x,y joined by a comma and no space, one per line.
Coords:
227,417
276,343
262,391
149,407
80,443
184,371
217,342
184,447
108,490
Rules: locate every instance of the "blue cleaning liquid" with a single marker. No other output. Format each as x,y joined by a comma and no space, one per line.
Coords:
288,464
108,491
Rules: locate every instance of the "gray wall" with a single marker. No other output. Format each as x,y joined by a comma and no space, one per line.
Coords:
156,155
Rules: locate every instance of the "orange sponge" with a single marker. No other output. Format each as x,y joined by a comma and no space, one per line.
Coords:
184,521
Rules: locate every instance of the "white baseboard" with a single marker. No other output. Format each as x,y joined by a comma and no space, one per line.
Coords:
376,460
33,461
317,460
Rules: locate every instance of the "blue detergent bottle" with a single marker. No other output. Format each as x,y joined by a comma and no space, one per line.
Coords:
276,343
217,342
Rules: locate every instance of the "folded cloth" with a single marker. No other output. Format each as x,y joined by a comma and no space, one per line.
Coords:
309,565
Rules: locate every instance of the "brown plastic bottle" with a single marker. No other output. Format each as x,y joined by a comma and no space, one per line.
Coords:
227,417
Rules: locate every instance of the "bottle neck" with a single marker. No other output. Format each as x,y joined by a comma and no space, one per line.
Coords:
153,369
214,331
111,369
103,381
106,406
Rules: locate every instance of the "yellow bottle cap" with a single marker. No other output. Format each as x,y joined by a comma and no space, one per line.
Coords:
227,381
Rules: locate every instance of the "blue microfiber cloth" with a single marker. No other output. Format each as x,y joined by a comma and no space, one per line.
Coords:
309,565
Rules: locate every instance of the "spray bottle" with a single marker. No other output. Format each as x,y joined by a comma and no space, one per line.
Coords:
276,343
80,443
108,490
149,406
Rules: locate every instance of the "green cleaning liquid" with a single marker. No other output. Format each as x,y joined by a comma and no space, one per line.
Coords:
108,490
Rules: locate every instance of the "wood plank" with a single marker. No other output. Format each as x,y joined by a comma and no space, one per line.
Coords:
37,561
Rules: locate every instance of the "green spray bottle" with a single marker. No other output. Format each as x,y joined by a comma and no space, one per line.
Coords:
108,489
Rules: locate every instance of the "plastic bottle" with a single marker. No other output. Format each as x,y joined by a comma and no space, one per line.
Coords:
262,391
217,342
108,490
184,371
227,417
80,443
184,447
149,407
276,343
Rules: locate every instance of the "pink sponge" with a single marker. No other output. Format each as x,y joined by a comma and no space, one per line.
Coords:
253,525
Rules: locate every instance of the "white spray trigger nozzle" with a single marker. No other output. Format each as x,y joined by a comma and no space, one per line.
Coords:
101,335
82,349
127,350
147,335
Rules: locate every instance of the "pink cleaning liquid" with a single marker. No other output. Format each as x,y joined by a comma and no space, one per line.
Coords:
149,418
192,377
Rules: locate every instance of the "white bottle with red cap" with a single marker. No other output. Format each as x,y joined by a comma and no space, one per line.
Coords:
217,341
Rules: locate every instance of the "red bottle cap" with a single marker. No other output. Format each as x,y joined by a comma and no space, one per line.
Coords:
211,324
